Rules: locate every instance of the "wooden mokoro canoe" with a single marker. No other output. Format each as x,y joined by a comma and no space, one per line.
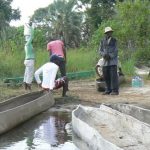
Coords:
141,113
105,128
19,109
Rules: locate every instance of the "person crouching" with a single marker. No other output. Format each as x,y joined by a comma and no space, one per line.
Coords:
49,72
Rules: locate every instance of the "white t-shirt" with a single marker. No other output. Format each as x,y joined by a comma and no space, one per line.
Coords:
49,71
28,30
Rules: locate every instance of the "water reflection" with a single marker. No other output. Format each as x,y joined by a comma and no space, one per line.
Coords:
43,132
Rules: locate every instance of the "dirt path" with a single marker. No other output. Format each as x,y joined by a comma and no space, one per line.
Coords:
85,91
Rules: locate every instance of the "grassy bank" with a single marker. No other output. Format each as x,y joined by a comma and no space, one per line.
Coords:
11,63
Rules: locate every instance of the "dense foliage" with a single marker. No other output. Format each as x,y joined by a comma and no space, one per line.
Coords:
6,15
132,26
61,20
80,23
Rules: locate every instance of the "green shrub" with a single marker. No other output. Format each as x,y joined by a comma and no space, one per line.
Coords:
131,26
142,56
128,67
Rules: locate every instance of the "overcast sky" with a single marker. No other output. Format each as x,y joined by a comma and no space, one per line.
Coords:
27,8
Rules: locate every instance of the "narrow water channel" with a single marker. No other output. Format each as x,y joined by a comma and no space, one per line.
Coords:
47,131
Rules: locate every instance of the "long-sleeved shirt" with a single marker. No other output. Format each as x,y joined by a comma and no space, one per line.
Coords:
109,47
49,71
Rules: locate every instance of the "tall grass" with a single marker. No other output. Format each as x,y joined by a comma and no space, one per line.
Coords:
81,60
77,59
12,63
128,67
41,57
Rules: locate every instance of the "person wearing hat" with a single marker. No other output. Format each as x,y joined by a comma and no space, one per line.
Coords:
49,72
109,52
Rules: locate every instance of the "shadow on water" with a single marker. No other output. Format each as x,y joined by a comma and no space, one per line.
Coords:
43,132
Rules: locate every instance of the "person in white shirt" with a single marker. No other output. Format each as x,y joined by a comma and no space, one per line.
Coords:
49,72
28,31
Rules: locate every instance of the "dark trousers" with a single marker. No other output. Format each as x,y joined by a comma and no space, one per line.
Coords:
111,78
62,68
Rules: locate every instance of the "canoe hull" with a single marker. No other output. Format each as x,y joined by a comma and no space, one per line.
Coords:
140,113
89,134
106,128
12,117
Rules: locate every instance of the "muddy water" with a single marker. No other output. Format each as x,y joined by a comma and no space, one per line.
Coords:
47,131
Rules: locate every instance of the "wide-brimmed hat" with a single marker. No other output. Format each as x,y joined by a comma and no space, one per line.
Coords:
108,29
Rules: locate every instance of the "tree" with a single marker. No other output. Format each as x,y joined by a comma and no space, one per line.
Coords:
98,10
61,20
6,15
132,27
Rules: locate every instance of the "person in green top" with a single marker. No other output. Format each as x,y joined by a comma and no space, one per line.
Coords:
29,57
